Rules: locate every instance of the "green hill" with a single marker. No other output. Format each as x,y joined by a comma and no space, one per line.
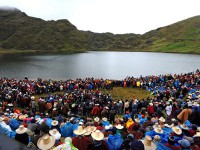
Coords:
22,33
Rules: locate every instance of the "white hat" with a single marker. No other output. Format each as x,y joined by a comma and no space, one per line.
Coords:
177,130
197,134
89,130
156,125
21,129
96,119
46,142
162,119
148,144
55,133
32,97
137,120
119,126
184,126
97,135
104,119
80,130
158,130
54,123
107,127
151,104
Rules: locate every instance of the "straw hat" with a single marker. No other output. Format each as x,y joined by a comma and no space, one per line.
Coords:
137,120
198,128
119,126
96,119
151,104
195,104
162,119
54,123
46,142
104,119
197,134
184,126
21,129
89,130
80,130
32,97
148,144
156,125
177,130
55,133
158,130
169,126
10,104
22,117
97,135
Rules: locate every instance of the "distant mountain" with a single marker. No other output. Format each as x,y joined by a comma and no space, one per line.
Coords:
22,33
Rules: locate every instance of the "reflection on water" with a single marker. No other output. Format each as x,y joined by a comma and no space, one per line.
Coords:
106,65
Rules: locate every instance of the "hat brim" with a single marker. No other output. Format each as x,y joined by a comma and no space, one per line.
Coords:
101,136
18,131
46,146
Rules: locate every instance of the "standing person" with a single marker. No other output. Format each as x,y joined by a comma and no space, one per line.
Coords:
150,109
126,106
168,109
21,135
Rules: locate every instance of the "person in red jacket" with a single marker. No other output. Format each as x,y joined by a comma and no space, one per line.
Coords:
95,111
150,109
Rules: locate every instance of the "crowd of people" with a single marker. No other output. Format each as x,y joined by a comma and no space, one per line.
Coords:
76,114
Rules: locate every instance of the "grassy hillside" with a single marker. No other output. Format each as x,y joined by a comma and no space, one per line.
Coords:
21,33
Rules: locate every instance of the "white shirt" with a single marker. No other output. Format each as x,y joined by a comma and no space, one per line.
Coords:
168,110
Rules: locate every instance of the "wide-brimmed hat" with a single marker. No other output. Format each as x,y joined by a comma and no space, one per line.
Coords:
10,104
169,126
195,104
137,120
54,123
80,130
32,97
156,125
197,134
105,119
55,133
22,117
184,126
148,144
21,129
46,142
119,126
158,130
97,135
96,119
177,130
198,128
162,119
151,104
89,130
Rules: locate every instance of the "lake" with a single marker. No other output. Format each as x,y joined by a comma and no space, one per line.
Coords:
106,65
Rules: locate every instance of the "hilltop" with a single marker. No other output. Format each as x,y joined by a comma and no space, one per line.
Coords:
22,33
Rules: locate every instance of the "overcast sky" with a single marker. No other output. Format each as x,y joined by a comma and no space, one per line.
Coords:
116,16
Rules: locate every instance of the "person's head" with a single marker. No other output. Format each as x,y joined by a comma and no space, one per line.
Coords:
171,140
184,143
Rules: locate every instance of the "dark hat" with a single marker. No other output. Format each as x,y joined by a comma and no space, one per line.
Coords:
137,145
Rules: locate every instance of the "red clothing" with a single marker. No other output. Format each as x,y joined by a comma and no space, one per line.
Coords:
150,110
192,133
81,143
95,111
100,128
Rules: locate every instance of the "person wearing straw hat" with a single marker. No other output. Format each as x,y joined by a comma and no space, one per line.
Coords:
55,125
80,141
158,130
55,133
96,121
89,130
176,131
161,121
98,143
46,142
21,135
148,143
185,129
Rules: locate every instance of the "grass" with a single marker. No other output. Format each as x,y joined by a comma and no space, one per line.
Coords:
117,93
127,93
